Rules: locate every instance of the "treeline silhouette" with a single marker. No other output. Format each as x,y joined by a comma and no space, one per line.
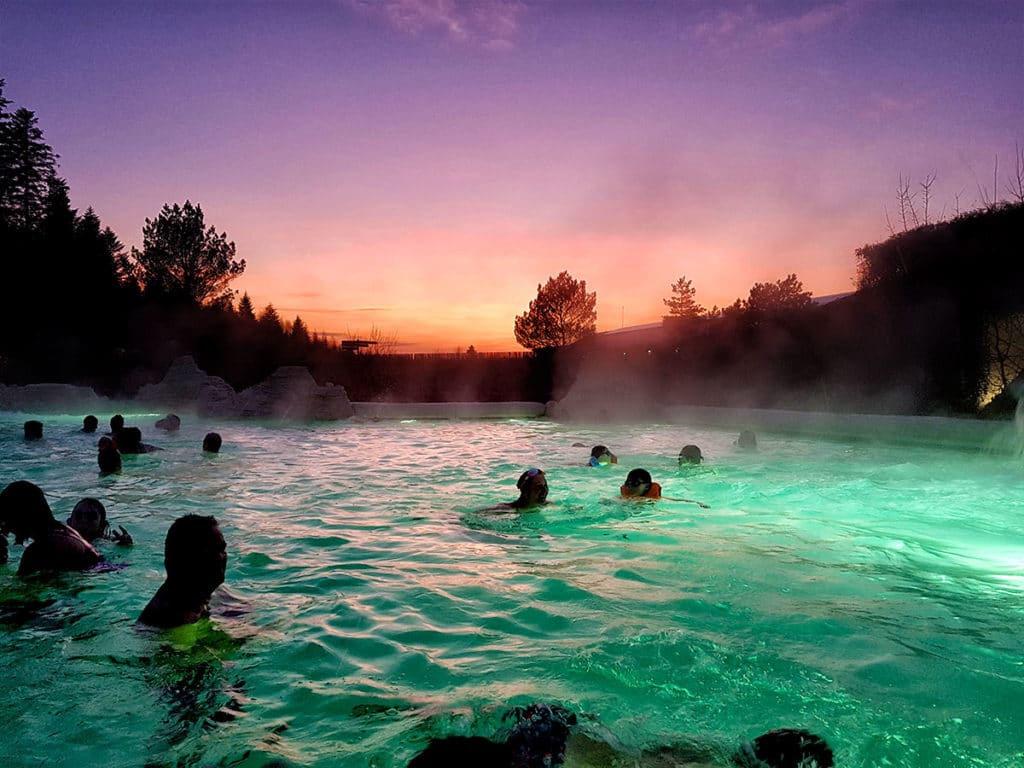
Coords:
935,325
929,330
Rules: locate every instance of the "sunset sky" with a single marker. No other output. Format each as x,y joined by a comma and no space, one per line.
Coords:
419,166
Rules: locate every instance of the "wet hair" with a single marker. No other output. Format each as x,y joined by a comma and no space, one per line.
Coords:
539,734
747,439
462,750
690,454
786,748
212,442
89,514
24,510
33,430
187,536
599,450
116,422
526,483
109,458
638,477
89,423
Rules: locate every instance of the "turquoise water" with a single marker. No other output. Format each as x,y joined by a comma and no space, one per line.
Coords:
873,594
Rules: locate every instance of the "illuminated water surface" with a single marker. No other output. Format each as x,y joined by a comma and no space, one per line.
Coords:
871,593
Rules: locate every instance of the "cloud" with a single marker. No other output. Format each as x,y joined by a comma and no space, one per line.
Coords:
750,25
490,24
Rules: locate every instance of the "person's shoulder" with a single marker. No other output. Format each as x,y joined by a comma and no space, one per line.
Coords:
62,549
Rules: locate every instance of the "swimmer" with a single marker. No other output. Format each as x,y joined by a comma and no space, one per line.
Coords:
116,423
169,423
747,440
33,430
639,485
55,546
89,518
533,492
129,440
211,443
600,456
543,736
690,454
195,557
90,423
109,458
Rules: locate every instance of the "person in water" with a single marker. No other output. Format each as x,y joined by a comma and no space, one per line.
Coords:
533,492
640,485
600,456
690,454
212,443
747,440
33,430
169,423
89,518
109,458
116,423
195,557
55,546
129,440
90,423
544,736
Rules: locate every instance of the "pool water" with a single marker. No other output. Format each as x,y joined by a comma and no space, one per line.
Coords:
873,594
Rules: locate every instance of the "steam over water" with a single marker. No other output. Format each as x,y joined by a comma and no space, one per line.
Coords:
871,593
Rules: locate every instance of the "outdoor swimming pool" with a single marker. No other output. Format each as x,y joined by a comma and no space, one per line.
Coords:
871,593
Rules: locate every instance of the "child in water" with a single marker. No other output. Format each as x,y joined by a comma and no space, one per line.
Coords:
640,485
600,456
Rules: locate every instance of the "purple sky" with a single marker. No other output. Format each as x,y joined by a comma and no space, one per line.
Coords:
419,166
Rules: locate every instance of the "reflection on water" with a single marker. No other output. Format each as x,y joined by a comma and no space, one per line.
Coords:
869,593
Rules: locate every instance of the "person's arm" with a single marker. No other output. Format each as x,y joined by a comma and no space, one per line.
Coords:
688,501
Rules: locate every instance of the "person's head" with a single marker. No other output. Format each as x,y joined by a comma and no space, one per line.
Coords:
212,442
89,518
747,440
195,553
539,734
116,422
33,430
109,458
170,422
786,748
533,488
690,454
90,423
128,439
638,482
24,511
600,454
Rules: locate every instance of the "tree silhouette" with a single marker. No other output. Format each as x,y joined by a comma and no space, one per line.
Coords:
245,309
28,166
299,333
183,261
682,302
270,321
562,314
774,298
